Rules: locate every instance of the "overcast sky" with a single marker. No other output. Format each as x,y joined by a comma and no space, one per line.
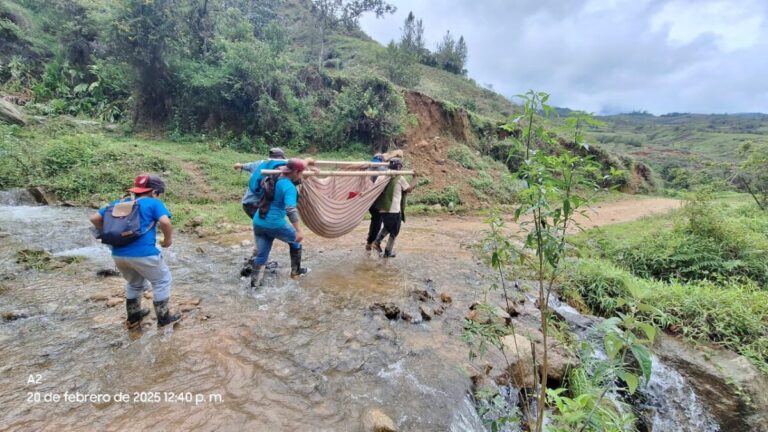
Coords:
607,56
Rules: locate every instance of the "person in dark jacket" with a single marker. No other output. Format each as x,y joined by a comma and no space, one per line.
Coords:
391,207
375,225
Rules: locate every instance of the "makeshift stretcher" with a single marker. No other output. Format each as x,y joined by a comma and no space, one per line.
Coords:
333,203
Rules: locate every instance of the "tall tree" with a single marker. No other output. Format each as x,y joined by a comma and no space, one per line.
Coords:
419,41
461,55
408,40
332,14
400,66
143,33
451,55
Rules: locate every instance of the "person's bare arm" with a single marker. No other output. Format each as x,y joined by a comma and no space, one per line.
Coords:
299,232
97,221
165,226
412,186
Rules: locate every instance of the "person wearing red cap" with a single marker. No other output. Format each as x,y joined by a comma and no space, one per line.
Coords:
140,260
272,225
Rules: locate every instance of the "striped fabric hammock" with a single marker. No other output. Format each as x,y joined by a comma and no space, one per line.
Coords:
334,206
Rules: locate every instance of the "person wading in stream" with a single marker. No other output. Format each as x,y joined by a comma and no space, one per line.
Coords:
375,226
391,206
254,193
140,260
269,222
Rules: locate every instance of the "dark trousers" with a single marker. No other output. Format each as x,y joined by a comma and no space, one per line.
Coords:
391,222
375,227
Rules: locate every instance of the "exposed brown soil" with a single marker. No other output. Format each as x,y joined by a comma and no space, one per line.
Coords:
427,142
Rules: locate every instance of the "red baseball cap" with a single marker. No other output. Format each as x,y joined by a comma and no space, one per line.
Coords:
146,183
297,165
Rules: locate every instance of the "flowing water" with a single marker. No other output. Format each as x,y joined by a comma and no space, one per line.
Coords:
293,355
668,401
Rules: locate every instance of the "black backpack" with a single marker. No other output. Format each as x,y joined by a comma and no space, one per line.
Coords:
268,184
122,224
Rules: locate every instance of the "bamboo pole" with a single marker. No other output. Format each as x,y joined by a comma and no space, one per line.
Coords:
337,163
308,173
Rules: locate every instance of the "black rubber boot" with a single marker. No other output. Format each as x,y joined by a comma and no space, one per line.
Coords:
164,316
296,268
247,268
135,312
257,275
389,251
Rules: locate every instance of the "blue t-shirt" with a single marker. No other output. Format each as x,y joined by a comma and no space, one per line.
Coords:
254,193
150,210
285,196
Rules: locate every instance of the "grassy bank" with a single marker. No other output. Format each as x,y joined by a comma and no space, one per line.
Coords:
701,272
89,163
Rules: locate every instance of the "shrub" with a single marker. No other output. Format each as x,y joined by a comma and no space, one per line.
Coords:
369,110
503,190
709,242
66,154
444,197
466,157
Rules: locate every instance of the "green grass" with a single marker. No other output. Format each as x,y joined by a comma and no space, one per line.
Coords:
734,316
706,146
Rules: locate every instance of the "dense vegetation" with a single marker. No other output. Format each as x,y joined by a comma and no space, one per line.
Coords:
705,272
222,68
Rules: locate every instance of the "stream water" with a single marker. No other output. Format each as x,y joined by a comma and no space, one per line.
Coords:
293,355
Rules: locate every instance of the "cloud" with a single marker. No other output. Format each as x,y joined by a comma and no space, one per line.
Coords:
606,56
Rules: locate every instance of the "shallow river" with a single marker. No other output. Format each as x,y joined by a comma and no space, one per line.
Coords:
293,355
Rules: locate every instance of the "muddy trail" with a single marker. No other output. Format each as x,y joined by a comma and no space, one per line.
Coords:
294,355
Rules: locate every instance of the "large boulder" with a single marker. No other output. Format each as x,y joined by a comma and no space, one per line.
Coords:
731,388
519,349
9,113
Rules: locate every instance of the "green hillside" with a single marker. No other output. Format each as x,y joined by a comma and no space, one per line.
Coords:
684,149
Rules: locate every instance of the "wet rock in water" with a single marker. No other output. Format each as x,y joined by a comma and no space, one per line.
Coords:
391,310
148,294
114,301
43,196
4,234
520,370
189,304
100,296
374,420
109,272
422,295
385,333
411,315
200,250
446,298
731,387
488,315
426,312
246,243
14,315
